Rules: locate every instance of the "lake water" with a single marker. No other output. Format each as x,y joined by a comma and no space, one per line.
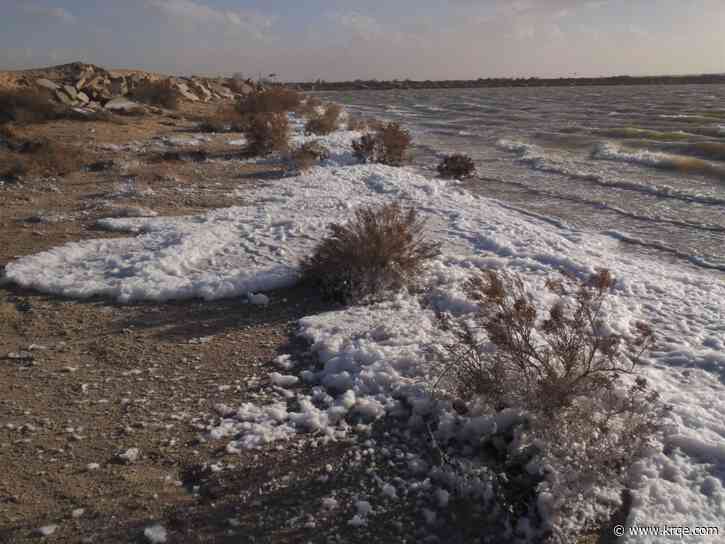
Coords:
643,164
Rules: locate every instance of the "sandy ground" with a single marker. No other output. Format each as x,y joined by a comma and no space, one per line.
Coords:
82,381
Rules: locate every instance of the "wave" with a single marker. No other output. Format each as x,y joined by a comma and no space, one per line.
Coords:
600,205
697,260
626,133
709,150
538,160
661,161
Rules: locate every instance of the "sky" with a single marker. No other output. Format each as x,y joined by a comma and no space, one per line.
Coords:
303,40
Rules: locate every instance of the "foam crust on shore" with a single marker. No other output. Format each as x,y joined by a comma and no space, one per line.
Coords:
372,353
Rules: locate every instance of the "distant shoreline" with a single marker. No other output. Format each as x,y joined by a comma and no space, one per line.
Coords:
373,85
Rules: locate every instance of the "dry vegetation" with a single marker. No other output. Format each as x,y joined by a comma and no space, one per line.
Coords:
309,107
41,157
24,106
564,374
457,166
157,93
381,248
308,155
387,145
273,100
267,133
326,123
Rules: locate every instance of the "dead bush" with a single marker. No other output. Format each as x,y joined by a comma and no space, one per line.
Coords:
457,166
308,155
579,424
39,157
157,93
267,132
379,249
23,106
356,123
309,107
388,145
273,100
326,123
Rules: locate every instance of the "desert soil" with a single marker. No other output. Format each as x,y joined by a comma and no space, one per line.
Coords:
82,381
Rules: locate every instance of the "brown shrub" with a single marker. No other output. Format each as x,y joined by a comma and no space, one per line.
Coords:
457,166
356,123
157,93
273,100
395,141
267,132
562,373
326,123
379,249
39,157
308,155
23,106
365,148
388,145
308,107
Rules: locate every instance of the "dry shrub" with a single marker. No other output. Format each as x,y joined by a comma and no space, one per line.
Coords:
238,86
308,155
458,166
388,145
273,100
267,132
157,93
309,107
356,123
381,248
39,157
225,119
326,123
23,106
579,426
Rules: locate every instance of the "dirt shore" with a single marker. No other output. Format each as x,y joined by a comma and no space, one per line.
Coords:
84,381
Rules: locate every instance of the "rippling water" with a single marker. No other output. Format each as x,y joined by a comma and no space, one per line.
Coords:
644,164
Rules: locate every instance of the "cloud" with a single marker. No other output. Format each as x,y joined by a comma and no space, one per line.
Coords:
188,12
58,14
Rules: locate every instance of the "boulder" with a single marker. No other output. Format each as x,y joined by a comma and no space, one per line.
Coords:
63,98
123,105
82,97
70,91
118,86
185,92
200,90
47,84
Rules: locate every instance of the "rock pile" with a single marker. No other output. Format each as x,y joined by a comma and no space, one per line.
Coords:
87,86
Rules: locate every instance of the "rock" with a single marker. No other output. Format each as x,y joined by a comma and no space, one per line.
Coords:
63,98
123,105
184,90
47,530
118,86
156,534
70,91
129,456
259,299
20,356
200,90
46,84
82,97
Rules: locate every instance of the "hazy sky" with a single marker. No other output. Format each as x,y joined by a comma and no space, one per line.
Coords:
384,39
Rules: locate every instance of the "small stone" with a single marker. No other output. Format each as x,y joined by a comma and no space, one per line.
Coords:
129,456
47,530
156,534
